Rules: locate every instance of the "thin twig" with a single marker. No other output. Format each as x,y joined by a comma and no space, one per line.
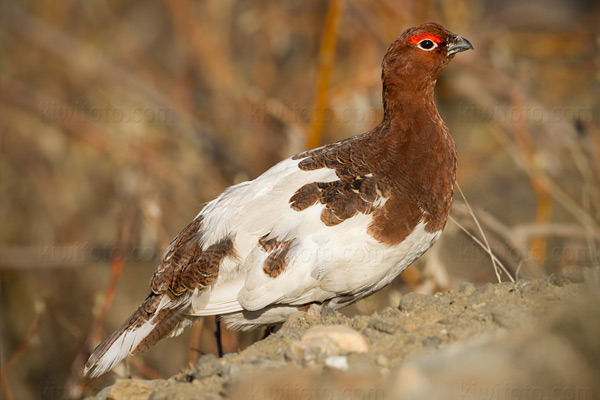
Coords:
487,245
143,369
480,231
571,206
16,355
74,387
524,231
87,64
493,225
518,270
590,234
547,184
486,249
517,245
195,340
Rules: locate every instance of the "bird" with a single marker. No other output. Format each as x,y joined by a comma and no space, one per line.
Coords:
326,227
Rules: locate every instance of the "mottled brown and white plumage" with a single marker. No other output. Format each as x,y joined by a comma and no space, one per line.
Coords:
328,226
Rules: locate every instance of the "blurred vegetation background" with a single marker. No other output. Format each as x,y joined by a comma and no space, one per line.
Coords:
119,119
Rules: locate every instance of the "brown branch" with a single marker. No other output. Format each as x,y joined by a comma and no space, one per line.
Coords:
486,99
74,382
326,58
195,340
89,65
16,355
524,142
207,48
523,232
80,128
143,369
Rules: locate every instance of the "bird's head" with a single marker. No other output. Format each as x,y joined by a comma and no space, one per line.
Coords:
419,55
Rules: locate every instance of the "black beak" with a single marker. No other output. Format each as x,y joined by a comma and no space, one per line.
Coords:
458,44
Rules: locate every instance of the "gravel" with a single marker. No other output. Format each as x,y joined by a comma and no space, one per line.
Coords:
529,339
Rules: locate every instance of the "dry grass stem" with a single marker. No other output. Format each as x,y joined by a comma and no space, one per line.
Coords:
487,245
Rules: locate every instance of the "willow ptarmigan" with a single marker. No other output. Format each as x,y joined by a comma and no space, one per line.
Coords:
328,226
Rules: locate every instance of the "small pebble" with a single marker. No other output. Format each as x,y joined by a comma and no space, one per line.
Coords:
382,361
329,341
382,326
130,390
559,280
337,362
431,341
327,314
466,288
414,301
574,274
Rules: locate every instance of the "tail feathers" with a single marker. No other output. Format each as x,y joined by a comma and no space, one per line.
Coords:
151,322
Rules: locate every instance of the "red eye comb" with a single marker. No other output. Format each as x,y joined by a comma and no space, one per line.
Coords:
418,38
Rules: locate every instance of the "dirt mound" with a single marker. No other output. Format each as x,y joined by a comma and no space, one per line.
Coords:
529,339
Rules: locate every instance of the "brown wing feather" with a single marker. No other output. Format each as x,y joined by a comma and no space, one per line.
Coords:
356,190
184,268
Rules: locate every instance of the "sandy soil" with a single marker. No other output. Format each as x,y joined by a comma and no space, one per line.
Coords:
534,339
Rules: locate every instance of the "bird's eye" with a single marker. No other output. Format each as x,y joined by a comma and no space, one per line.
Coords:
427,44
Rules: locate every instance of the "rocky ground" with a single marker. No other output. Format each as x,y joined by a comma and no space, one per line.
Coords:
534,339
